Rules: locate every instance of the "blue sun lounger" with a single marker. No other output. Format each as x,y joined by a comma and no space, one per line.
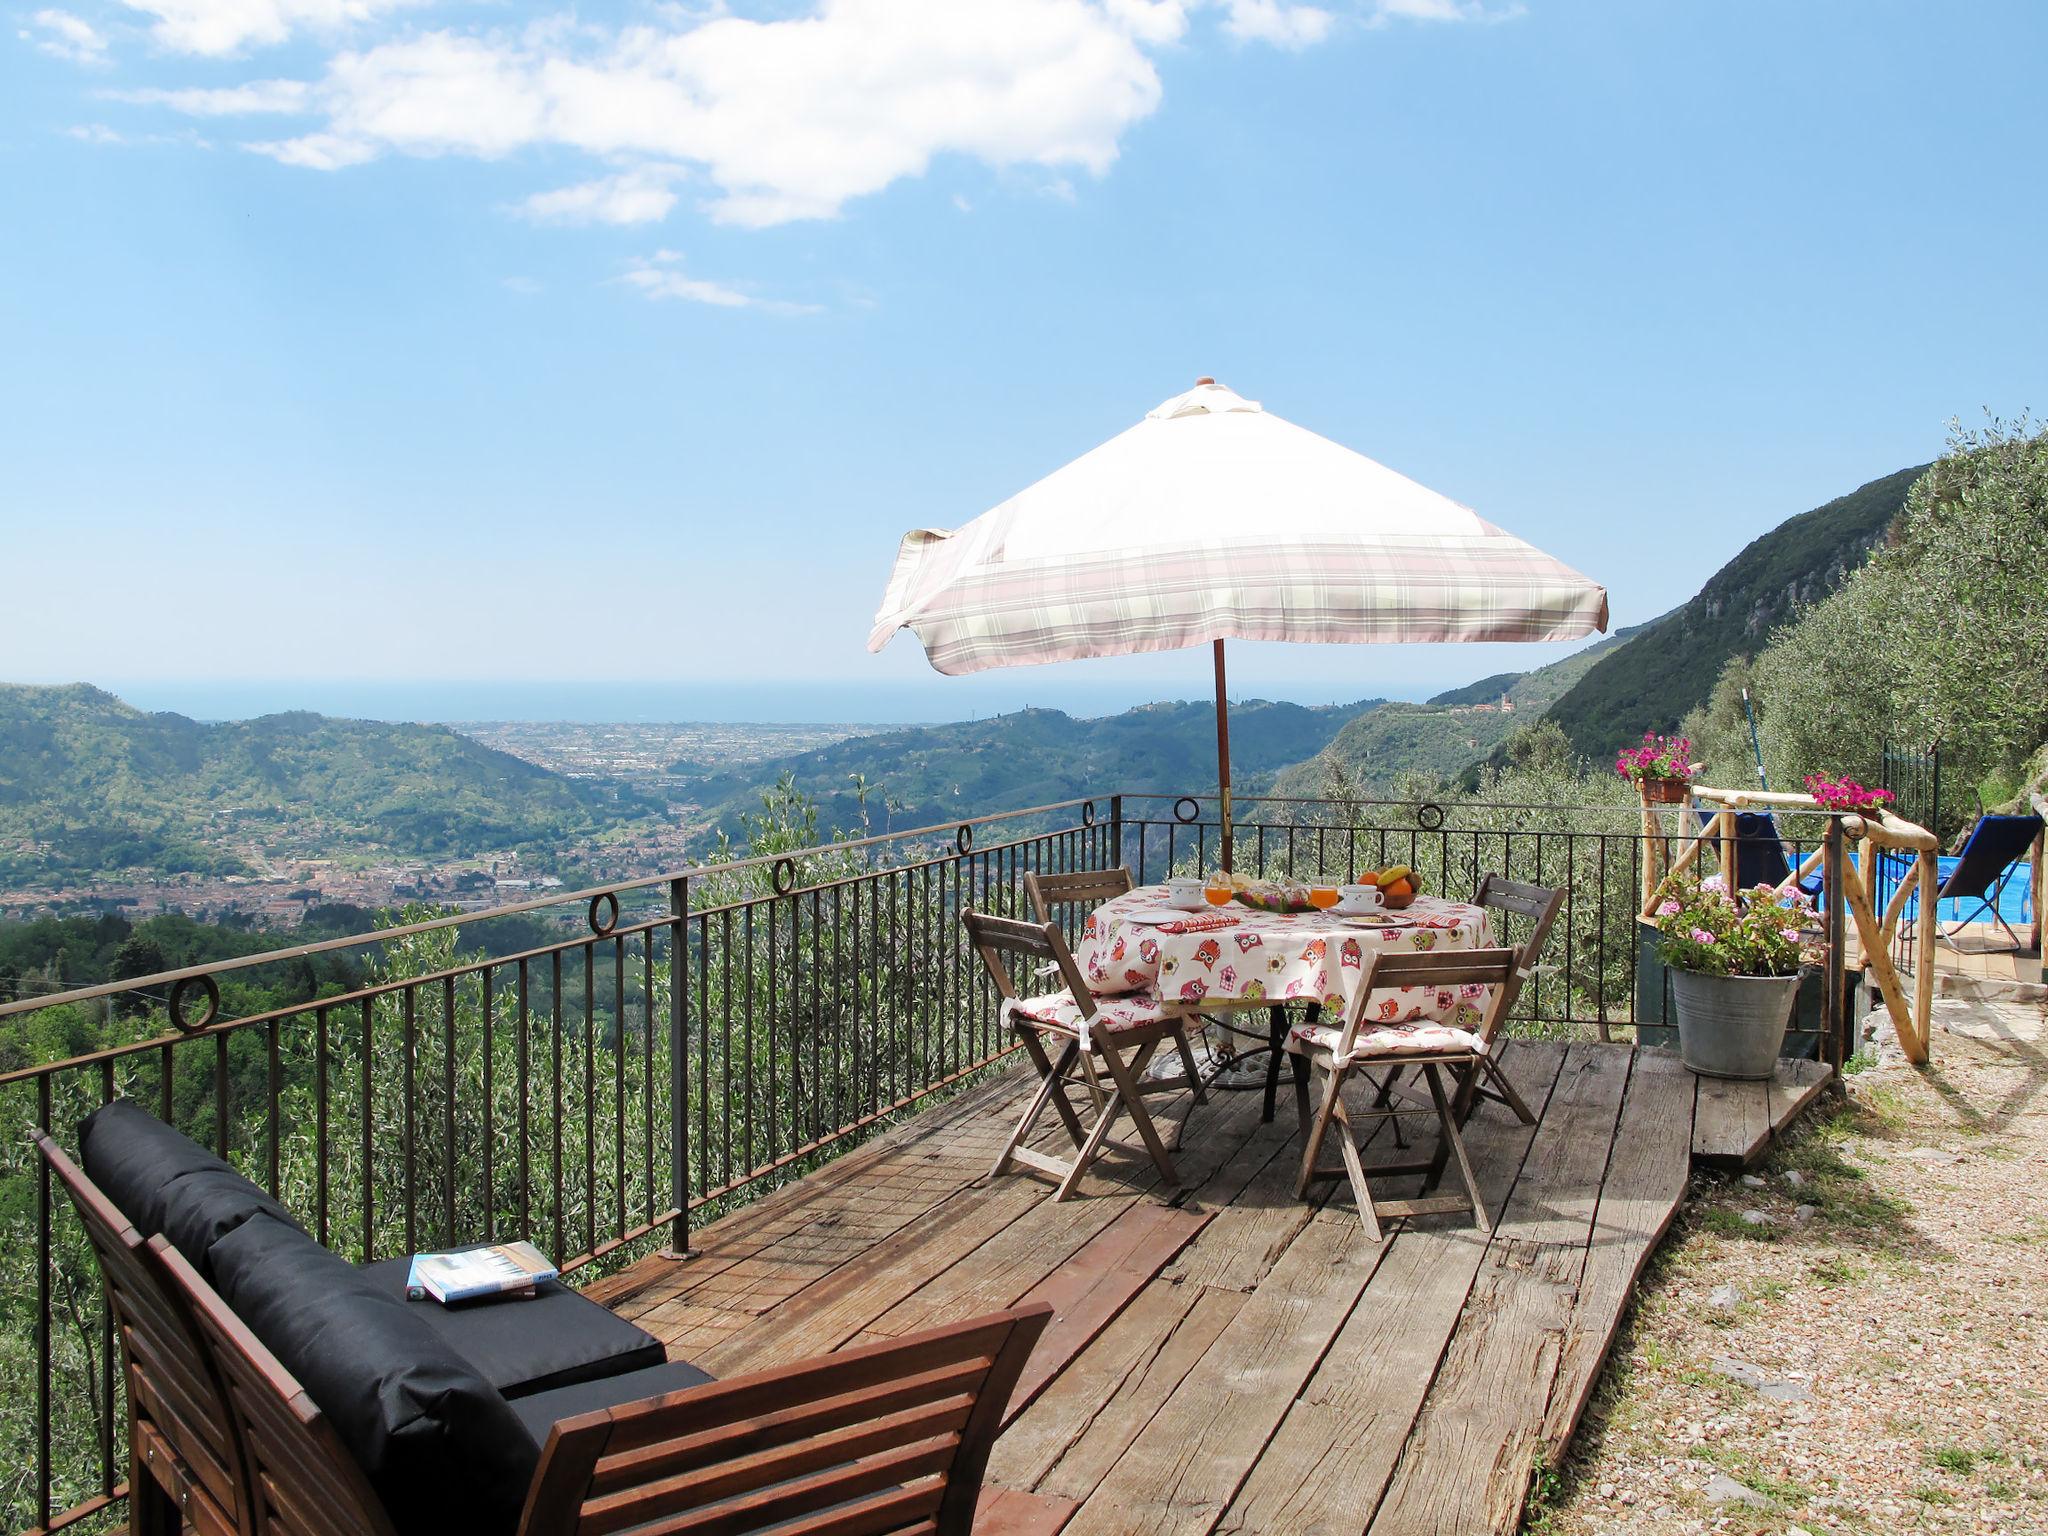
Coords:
1760,854
1992,855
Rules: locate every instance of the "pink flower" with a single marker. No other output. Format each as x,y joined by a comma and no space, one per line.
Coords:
1701,935
1668,909
1714,883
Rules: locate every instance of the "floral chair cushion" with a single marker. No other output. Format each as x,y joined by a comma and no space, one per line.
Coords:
1303,1039
1113,1015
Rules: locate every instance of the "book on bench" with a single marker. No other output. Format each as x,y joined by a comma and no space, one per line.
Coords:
502,1269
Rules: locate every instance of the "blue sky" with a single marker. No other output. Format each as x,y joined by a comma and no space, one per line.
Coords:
353,344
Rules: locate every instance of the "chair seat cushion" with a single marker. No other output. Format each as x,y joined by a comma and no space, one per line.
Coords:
1113,1015
163,1181
1390,1040
522,1346
440,1445
543,1410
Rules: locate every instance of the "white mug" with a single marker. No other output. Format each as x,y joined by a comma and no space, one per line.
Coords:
1185,892
1359,898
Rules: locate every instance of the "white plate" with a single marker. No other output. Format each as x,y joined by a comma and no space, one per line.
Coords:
1154,915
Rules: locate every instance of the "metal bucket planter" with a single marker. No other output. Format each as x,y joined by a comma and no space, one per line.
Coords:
1732,1026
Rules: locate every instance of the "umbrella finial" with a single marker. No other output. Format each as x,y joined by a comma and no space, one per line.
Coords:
1204,379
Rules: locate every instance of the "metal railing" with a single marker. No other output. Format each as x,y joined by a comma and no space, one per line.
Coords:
599,1070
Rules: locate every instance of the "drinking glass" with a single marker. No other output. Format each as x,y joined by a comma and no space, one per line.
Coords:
1218,891
1322,897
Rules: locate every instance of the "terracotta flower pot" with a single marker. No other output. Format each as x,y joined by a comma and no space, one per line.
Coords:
1659,791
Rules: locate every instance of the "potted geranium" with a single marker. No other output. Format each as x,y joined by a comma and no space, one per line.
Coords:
1734,959
1661,769
1845,794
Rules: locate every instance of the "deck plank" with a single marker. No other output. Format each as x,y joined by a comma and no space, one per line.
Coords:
1222,1356
935,1138
1327,1466
1087,1293
1796,1086
1736,1123
1006,1512
1066,1442
1646,1179
1468,1459
1731,1122
1184,1467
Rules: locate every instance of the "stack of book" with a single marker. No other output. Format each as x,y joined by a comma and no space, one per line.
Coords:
472,1274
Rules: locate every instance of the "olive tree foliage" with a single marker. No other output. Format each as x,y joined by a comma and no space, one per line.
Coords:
1942,634
455,1094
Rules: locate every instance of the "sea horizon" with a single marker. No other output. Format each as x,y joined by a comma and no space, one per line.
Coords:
820,702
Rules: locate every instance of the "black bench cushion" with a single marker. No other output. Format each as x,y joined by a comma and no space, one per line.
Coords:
540,1412
556,1339
164,1181
439,1444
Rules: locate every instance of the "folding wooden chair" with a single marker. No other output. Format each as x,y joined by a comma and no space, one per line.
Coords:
1430,1050
1089,887
1539,904
1116,1034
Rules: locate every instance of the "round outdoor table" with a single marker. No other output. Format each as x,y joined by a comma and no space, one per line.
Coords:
1237,957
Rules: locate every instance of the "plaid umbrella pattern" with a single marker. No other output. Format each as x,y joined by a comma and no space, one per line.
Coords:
1213,519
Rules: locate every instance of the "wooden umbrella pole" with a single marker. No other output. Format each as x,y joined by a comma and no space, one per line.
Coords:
1223,755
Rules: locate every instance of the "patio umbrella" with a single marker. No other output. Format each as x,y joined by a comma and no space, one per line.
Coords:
1214,519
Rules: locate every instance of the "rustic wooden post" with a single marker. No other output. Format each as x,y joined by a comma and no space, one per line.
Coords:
1928,931
2040,839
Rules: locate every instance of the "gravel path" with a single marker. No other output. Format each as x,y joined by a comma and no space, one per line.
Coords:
1855,1339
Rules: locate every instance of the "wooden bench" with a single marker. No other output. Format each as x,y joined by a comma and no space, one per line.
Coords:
886,1437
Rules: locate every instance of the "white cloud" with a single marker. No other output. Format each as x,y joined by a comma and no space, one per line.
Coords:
1444,10
65,36
1270,21
317,151
255,98
105,135
785,119
642,195
661,276
217,28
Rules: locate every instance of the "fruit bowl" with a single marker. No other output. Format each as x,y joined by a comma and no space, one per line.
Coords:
1398,885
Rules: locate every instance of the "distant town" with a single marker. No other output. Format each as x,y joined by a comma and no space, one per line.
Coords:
298,867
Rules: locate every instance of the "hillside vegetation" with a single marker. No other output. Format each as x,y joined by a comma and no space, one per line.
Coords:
1394,743
91,785
936,773
1941,635
1670,667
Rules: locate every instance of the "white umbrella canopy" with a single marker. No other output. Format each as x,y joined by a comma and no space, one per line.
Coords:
1214,519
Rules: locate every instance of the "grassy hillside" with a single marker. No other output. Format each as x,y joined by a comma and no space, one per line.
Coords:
1442,738
1671,666
935,773
90,785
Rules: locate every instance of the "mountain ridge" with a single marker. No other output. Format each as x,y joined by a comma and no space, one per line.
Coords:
91,784
1671,666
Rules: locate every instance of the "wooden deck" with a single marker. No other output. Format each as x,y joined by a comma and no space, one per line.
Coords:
1223,1357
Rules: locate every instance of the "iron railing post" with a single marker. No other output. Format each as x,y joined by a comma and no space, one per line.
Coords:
1116,827
679,1064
